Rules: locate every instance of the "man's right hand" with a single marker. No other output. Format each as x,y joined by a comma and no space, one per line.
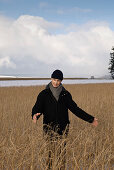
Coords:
35,117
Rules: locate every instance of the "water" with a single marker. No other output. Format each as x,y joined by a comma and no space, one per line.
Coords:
9,83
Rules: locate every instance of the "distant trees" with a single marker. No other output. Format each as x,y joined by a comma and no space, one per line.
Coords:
111,63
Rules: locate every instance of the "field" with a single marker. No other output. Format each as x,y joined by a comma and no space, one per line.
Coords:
22,146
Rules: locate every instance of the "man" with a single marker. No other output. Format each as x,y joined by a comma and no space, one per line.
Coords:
53,102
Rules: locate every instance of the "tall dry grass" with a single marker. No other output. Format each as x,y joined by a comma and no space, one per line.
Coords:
22,146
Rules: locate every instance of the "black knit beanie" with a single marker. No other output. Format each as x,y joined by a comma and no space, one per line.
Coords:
57,74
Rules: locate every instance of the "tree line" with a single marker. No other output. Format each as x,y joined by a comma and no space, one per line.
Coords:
111,63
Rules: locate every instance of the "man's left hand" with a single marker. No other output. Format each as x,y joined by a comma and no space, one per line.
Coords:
95,122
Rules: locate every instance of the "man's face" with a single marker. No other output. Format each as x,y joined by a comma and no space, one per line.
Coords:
55,82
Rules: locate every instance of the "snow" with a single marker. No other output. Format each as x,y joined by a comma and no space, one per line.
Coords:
1,76
9,83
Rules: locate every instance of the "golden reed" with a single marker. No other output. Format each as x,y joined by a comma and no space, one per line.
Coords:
22,145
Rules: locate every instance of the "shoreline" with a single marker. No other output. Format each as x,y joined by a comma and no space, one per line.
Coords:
43,85
32,78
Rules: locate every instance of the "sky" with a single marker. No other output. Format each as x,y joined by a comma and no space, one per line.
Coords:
37,37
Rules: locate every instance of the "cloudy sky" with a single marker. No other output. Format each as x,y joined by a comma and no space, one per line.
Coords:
37,37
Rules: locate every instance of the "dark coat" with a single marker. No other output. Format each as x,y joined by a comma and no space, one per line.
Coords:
55,113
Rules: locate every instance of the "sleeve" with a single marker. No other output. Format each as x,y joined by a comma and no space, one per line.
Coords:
38,107
72,106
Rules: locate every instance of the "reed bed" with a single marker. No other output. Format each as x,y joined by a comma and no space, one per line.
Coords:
23,147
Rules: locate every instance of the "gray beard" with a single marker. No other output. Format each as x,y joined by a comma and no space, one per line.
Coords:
55,90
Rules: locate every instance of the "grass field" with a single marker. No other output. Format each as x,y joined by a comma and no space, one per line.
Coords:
22,144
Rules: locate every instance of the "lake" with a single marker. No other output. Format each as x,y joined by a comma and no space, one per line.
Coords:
9,83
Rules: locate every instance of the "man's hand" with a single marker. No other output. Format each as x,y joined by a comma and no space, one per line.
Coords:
35,117
95,122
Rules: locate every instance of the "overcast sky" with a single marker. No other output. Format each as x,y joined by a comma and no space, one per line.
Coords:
37,37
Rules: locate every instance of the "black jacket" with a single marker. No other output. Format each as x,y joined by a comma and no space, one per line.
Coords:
55,113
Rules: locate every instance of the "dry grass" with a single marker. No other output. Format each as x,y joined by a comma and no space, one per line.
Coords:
22,146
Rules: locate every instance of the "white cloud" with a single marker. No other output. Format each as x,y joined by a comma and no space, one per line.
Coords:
5,62
74,10
43,5
30,46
